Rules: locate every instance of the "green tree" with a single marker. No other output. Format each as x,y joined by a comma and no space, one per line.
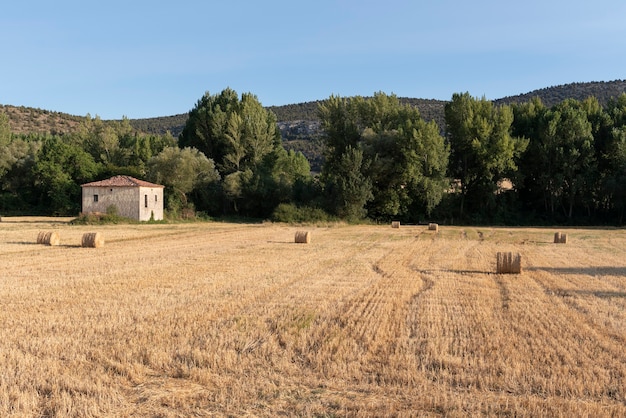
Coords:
408,159
403,162
348,188
59,171
339,119
236,134
17,156
99,139
612,161
243,139
483,151
5,139
182,171
16,184
559,165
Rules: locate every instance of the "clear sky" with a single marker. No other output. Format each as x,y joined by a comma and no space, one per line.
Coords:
140,59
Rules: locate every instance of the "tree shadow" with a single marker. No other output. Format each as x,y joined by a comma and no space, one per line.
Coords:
603,294
43,245
589,271
455,271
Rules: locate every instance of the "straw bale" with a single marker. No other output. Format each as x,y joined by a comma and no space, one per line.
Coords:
560,238
303,237
48,238
508,263
395,224
53,238
433,227
92,240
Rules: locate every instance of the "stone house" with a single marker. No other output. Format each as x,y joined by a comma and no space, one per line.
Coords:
133,198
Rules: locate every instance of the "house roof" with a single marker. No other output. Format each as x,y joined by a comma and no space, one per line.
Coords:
121,181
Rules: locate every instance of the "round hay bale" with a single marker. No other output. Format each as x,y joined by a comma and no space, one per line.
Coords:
303,237
48,238
516,264
508,263
502,262
433,227
395,224
92,240
560,238
52,238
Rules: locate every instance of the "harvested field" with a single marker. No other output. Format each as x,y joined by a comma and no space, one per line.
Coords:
209,319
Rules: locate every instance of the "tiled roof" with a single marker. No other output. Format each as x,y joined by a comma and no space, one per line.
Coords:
121,181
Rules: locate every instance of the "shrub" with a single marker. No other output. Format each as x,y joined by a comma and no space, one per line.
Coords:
290,213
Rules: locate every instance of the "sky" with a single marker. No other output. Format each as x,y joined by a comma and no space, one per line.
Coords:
142,59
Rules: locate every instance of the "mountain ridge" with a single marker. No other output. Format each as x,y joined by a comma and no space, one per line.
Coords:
26,120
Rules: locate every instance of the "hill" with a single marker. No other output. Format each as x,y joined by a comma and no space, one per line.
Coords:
550,96
28,120
298,123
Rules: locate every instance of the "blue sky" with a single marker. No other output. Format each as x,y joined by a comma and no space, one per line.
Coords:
141,59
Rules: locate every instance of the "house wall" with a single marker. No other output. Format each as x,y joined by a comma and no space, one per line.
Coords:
130,201
150,203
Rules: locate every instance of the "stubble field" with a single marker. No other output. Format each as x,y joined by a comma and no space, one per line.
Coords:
213,319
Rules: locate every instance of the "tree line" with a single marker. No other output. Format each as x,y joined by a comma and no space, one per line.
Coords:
523,163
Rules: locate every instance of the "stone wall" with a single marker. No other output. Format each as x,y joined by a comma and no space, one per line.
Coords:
139,203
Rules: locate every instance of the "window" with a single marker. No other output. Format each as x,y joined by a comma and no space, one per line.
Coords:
145,200
95,198
156,198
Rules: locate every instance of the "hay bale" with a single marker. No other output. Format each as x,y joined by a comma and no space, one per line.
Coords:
502,262
433,227
508,263
53,238
48,238
516,264
395,224
560,238
92,240
303,237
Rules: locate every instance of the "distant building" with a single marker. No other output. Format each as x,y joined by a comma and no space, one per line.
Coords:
133,198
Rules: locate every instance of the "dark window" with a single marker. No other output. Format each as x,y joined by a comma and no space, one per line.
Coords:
156,198
145,199
95,198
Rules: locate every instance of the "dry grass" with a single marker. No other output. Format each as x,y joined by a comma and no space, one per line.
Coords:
216,319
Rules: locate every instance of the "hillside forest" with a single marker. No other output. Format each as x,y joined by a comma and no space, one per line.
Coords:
376,158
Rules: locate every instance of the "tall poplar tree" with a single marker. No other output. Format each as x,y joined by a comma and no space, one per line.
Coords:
243,140
402,160
483,151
